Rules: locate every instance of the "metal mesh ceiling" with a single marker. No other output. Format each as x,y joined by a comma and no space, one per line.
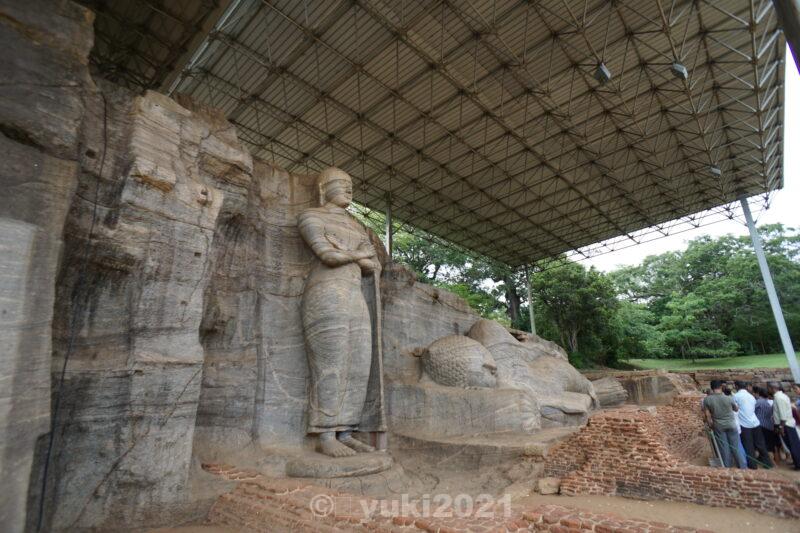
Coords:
483,122
142,44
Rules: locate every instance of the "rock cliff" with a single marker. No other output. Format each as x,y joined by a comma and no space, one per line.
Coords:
43,96
151,271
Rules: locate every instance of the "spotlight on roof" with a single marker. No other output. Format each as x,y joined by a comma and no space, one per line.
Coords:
602,74
716,171
680,71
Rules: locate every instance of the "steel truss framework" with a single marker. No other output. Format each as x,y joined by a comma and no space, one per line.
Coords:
484,123
142,44
376,220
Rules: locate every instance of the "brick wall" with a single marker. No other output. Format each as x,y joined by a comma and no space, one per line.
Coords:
639,454
275,505
682,429
753,375
702,378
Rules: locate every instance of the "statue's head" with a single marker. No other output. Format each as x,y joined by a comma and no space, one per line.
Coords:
336,187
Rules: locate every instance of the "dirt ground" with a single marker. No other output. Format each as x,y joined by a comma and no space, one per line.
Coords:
195,529
721,520
717,519
785,470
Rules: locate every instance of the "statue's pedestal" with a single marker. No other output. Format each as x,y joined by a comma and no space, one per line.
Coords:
489,450
317,465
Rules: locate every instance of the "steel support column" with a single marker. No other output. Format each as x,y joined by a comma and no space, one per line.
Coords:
789,18
773,296
530,300
389,232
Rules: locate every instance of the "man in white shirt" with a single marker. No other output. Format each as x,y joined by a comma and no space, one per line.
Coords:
751,435
784,421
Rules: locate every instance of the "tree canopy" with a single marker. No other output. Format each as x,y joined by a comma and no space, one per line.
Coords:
706,301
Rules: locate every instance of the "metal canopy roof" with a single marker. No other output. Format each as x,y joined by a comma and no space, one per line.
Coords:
143,44
489,123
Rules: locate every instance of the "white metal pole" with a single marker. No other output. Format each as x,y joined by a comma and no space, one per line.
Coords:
389,232
530,301
773,296
198,53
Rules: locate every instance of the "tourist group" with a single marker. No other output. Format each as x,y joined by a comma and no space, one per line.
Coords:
755,426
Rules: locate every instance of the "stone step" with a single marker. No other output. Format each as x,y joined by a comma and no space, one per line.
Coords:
481,450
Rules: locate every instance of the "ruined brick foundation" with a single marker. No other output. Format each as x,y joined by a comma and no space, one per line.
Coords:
643,453
263,504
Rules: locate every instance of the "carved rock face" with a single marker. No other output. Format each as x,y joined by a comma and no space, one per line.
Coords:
458,361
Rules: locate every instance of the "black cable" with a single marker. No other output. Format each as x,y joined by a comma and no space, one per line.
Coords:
76,308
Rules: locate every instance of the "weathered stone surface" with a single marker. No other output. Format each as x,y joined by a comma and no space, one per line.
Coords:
659,387
430,410
45,79
29,251
555,384
609,391
533,368
132,315
548,485
462,455
320,466
654,388
538,345
255,370
565,409
45,73
177,297
555,372
568,402
415,315
255,376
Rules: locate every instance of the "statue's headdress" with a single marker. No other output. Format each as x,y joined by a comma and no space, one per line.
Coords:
328,175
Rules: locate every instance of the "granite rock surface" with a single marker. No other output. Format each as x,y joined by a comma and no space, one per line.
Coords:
610,392
43,94
147,252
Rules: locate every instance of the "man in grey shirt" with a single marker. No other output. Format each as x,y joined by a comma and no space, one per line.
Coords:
720,415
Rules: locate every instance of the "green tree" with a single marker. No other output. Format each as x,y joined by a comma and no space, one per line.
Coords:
431,261
580,305
482,301
508,283
636,330
653,282
706,301
689,333
710,300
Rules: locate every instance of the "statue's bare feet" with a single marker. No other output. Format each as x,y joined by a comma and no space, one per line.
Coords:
333,448
355,444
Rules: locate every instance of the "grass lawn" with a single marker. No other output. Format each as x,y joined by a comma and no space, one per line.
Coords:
772,360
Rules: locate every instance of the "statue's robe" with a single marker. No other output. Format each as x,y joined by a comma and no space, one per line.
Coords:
340,309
